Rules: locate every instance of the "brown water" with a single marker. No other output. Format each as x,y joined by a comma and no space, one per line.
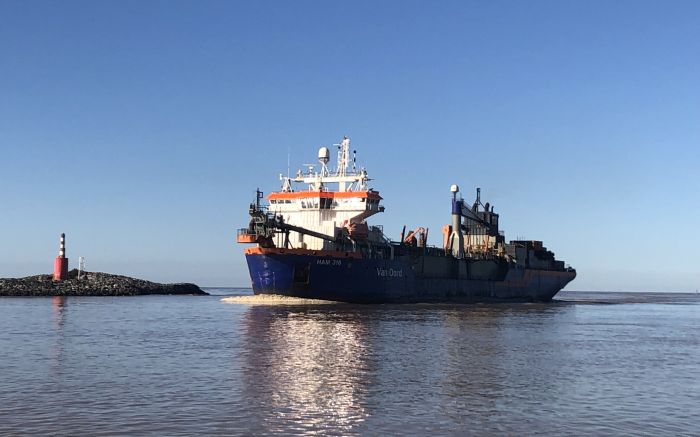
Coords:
593,364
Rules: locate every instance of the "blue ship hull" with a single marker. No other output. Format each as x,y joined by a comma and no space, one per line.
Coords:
348,279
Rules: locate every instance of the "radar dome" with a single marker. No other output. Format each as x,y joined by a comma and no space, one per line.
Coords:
454,188
324,155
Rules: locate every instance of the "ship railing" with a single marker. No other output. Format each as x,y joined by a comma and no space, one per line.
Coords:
253,208
245,232
246,235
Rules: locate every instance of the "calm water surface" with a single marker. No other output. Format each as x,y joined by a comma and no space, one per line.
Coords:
591,364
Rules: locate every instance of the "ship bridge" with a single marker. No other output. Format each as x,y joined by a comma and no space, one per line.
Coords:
331,202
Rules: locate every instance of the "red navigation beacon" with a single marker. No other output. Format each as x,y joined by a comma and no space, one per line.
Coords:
60,265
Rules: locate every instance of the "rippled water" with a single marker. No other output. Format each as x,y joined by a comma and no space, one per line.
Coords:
170,365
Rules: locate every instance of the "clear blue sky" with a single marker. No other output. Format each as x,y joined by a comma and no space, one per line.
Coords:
141,129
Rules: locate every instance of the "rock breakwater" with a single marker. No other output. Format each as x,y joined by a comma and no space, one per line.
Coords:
91,284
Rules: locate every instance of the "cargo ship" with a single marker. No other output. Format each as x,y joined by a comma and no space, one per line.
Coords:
312,240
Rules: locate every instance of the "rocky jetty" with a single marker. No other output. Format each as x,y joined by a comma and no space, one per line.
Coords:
90,284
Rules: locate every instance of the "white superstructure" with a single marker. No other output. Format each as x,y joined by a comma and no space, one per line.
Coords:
332,201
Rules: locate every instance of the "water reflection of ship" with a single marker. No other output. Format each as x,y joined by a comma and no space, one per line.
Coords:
306,369
341,369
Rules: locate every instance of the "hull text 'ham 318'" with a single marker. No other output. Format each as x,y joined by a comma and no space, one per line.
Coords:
316,243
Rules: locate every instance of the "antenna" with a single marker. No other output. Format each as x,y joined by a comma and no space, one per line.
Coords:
310,167
454,189
81,265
